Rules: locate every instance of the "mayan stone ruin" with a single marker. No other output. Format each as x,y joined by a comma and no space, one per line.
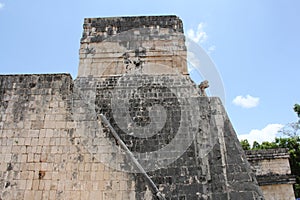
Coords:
273,172
180,145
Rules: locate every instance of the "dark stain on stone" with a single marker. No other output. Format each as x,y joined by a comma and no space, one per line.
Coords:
42,174
79,158
70,133
9,167
74,175
123,24
7,184
148,95
20,106
3,103
32,85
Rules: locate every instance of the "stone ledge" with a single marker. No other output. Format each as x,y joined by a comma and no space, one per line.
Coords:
273,179
108,26
164,21
267,154
28,83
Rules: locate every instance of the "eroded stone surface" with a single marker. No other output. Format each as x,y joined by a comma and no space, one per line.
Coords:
114,46
54,145
273,172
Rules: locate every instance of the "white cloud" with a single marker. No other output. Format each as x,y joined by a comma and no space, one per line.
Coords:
211,49
246,102
266,134
1,5
198,36
193,61
190,68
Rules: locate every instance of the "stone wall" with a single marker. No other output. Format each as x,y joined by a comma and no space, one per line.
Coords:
55,145
278,192
45,155
273,172
42,156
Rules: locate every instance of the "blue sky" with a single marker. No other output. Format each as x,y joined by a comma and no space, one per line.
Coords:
255,46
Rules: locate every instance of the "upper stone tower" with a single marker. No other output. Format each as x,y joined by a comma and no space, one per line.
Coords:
116,45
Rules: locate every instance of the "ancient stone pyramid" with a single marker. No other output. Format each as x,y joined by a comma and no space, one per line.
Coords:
56,144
